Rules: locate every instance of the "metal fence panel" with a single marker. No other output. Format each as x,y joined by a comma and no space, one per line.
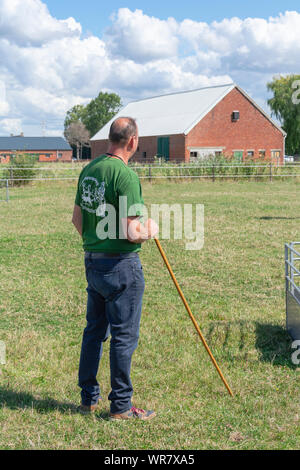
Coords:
292,281
293,316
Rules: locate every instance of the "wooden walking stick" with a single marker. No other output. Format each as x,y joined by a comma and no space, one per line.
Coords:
191,315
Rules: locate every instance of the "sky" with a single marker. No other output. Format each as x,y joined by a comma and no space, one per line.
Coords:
95,15
56,54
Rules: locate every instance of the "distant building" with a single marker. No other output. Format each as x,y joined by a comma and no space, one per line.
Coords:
209,121
47,149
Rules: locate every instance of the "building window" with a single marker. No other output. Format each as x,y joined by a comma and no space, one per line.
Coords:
235,116
250,153
275,153
275,156
262,153
194,154
47,155
218,154
145,154
59,155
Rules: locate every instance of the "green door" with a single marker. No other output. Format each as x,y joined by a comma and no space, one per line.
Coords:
238,155
163,147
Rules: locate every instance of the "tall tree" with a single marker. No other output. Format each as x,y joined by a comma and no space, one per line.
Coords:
96,113
285,105
100,110
74,114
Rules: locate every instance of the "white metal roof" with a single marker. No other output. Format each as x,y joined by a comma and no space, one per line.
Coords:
176,113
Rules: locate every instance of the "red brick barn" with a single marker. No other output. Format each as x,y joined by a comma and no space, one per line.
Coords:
209,121
47,149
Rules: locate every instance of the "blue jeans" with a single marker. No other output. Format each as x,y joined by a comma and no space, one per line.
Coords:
114,305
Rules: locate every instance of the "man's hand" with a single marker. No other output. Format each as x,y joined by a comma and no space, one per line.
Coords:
152,228
137,232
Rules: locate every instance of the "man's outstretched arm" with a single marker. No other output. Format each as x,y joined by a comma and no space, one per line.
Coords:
77,219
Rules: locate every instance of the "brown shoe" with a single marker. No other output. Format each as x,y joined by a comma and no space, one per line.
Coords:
137,413
86,409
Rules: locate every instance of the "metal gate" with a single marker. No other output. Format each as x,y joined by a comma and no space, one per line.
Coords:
292,283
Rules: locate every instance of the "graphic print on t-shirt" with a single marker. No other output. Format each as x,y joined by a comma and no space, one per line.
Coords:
93,196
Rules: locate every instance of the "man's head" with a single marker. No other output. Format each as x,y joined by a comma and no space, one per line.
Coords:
123,135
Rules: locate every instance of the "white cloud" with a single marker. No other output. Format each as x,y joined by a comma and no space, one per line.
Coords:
54,132
28,22
252,44
143,80
141,38
47,66
58,65
11,126
42,100
4,106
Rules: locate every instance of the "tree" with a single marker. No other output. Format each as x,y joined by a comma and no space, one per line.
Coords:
77,135
101,110
285,105
96,113
74,114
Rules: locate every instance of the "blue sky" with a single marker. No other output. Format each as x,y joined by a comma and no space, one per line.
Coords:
66,52
94,15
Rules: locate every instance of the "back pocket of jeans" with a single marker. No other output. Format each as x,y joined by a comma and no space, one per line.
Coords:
106,283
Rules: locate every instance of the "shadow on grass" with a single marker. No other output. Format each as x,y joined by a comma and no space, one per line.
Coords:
277,218
271,341
274,344
24,400
237,328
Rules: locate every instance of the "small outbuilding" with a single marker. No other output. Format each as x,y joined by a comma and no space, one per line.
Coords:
47,149
217,120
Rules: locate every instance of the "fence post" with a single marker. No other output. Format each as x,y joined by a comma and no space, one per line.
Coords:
213,173
286,256
11,175
291,267
150,172
271,171
7,193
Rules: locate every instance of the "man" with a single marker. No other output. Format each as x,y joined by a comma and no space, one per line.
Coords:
112,236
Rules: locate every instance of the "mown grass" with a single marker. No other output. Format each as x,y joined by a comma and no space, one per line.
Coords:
234,285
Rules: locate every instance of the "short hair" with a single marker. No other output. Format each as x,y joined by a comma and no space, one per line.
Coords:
122,129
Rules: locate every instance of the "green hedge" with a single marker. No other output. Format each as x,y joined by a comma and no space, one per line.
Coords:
21,167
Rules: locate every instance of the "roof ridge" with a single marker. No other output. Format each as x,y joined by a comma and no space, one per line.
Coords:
182,92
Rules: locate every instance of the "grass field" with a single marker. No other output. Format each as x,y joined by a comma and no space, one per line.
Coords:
235,287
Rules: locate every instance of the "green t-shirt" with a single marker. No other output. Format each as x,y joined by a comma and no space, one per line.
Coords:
103,186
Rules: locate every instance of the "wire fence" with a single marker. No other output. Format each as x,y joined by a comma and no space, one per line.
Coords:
153,172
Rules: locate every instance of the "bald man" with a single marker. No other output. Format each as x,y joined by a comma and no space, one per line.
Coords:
107,212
